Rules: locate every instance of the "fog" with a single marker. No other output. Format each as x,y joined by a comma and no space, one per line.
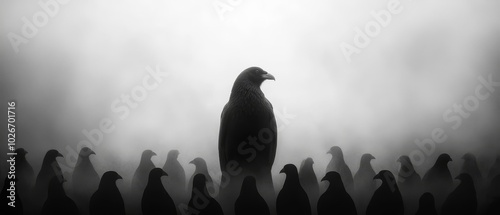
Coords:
394,92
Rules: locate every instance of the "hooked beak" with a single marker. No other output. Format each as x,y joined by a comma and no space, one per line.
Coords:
323,179
120,177
164,173
377,176
92,152
282,170
268,76
191,162
59,155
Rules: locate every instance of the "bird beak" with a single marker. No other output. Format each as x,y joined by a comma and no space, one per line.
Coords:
191,162
59,155
282,170
329,152
92,152
377,176
268,77
164,173
323,179
120,177
154,154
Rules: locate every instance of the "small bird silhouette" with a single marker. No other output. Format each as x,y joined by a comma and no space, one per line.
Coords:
201,168
50,168
292,199
438,180
409,183
250,202
462,200
57,202
24,172
14,205
309,182
335,200
141,174
470,167
364,185
427,205
201,202
387,199
175,183
85,179
337,164
155,199
107,200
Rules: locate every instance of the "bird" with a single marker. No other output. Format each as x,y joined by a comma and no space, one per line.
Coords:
426,205
495,169
309,182
292,199
85,179
335,200
58,203
50,168
438,179
175,183
470,167
364,185
250,202
462,200
201,202
107,200
11,202
201,168
387,198
248,137
156,199
141,174
337,164
409,183
24,171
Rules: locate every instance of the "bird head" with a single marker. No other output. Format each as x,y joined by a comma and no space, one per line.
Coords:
464,178
147,154
469,157
21,152
289,169
173,154
86,152
332,177
198,161
109,177
367,157
255,75
157,173
443,159
308,162
385,176
335,151
404,159
427,199
52,154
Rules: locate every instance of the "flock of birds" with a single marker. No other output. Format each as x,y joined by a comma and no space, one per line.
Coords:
166,191
247,149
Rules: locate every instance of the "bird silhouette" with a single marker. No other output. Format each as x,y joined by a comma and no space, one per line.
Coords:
107,200
250,202
247,136
175,183
427,205
470,167
409,183
438,180
50,168
335,200
309,182
24,172
155,199
201,202
58,203
292,199
85,179
495,169
337,164
201,168
462,200
364,185
14,205
387,199
141,174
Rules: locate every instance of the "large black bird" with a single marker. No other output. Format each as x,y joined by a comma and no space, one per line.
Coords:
463,200
175,183
24,172
58,203
250,202
309,182
85,179
107,200
201,168
50,169
11,204
201,202
387,199
438,179
409,183
155,199
426,206
470,167
292,199
337,164
247,136
364,185
335,200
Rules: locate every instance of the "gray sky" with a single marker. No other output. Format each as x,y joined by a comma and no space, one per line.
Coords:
394,91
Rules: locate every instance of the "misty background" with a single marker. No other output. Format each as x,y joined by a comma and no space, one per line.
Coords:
66,78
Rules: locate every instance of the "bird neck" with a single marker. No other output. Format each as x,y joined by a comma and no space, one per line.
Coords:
245,89
291,180
108,186
82,161
365,165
